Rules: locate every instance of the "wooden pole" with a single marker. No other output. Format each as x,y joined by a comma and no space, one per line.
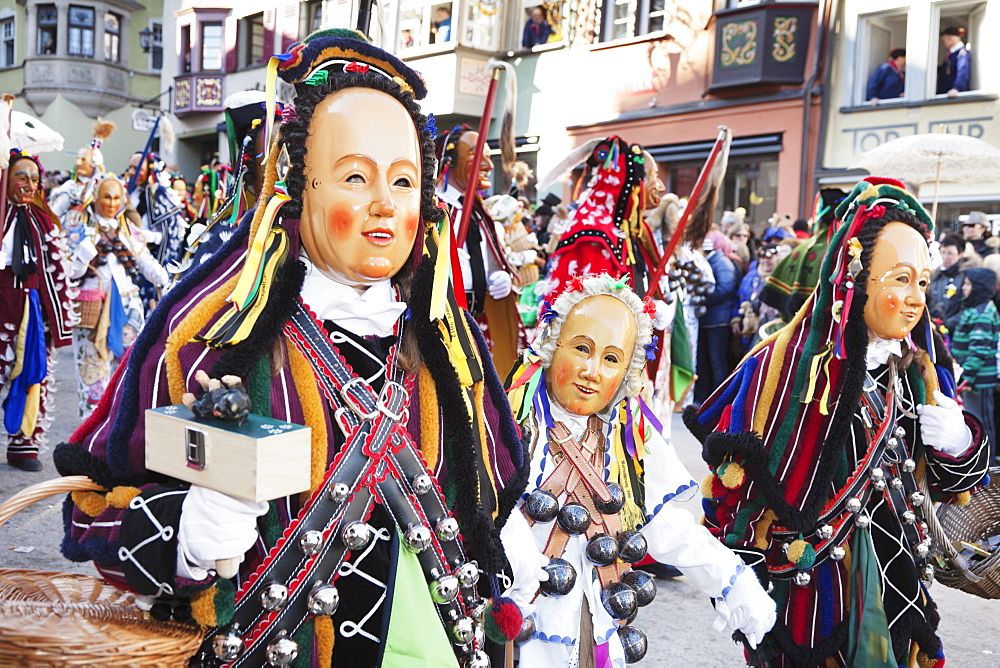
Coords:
477,157
678,233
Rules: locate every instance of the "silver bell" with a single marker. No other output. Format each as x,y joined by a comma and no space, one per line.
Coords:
541,506
854,505
444,589
896,483
877,474
928,574
463,631
879,485
802,578
633,642
527,631
917,499
323,600
311,542
825,532
921,550
447,529
900,432
228,645
282,650
356,535
893,441
468,574
339,492
863,521
417,538
422,484
909,465
837,553
274,596
479,659
644,585
923,527
908,516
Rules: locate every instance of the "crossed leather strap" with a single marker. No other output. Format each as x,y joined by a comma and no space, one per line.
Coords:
577,475
378,463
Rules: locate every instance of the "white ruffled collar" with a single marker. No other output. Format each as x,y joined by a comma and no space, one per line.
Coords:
373,312
880,350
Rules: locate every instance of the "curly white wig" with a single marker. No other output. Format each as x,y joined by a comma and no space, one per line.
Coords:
592,286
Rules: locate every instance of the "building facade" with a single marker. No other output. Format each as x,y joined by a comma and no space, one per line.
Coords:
70,61
870,29
663,73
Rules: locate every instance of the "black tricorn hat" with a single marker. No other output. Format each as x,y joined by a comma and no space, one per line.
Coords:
954,30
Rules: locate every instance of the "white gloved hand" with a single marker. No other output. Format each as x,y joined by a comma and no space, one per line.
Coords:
465,264
526,561
662,317
499,284
943,427
747,608
215,527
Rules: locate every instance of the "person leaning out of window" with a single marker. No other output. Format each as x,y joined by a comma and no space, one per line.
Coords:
955,70
536,29
889,78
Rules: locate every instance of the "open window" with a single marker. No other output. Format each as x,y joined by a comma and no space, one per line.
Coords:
185,50
251,38
954,70
541,24
879,35
48,29
425,22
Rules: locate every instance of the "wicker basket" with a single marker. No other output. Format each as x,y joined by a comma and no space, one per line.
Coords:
89,305
973,522
61,619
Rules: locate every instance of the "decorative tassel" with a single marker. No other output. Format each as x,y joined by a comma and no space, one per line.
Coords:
731,474
802,554
502,620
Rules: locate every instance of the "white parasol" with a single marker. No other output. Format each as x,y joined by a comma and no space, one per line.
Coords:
33,136
933,158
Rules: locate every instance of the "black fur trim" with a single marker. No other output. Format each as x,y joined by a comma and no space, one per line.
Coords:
72,459
458,436
239,359
690,417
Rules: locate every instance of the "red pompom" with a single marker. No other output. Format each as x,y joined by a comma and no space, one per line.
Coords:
502,620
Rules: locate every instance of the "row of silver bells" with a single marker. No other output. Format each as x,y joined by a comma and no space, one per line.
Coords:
324,599
542,506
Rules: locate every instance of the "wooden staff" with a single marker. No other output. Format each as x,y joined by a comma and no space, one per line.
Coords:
477,156
675,238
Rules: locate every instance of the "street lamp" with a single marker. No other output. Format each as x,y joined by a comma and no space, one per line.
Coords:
146,39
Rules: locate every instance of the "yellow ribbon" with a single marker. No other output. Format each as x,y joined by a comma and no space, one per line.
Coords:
250,276
442,266
814,366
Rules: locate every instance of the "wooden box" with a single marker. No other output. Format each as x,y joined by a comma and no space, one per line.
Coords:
260,460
